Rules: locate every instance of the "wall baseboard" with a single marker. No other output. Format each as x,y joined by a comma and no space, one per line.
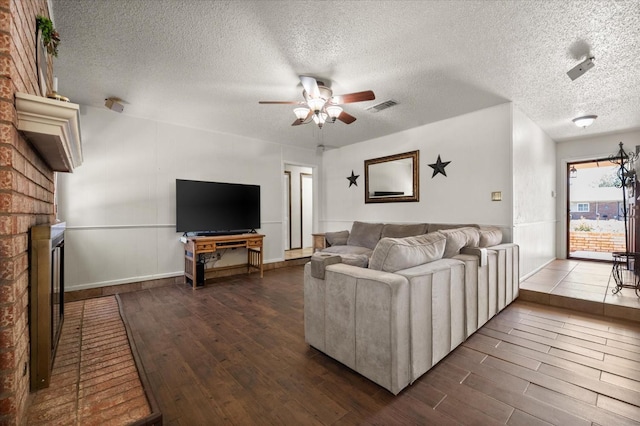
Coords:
539,268
108,290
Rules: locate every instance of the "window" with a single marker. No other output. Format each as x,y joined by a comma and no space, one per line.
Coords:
583,207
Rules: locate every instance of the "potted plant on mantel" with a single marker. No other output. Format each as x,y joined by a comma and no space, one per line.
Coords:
47,37
50,37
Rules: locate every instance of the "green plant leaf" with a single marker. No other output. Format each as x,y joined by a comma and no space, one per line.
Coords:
50,37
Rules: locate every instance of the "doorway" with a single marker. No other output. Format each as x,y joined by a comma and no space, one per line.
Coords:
595,220
298,211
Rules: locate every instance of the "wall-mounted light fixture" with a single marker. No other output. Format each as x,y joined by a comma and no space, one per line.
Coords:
573,172
585,120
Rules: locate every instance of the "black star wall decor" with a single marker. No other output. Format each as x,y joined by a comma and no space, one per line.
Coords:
438,167
353,179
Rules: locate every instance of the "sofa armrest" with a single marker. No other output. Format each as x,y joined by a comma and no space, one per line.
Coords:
320,260
367,325
481,252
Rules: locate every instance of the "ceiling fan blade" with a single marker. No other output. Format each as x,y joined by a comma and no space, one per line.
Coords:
310,86
367,95
282,102
346,118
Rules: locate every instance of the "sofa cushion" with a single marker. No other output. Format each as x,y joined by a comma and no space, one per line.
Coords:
359,260
433,227
348,250
490,237
391,230
394,254
338,238
365,234
458,238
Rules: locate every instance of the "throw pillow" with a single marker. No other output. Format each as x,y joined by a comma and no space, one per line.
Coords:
490,237
393,230
458,238
365,234
338,238
395,254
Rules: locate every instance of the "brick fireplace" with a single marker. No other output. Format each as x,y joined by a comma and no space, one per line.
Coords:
26,199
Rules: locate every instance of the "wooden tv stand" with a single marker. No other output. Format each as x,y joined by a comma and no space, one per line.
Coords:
195,246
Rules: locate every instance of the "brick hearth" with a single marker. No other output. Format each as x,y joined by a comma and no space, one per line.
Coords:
94,379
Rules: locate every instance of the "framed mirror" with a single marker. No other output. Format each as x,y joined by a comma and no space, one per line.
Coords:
392,179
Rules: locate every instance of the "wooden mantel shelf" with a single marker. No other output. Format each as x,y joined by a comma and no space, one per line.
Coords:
53,127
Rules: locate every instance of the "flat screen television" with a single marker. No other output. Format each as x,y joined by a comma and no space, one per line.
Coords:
210,208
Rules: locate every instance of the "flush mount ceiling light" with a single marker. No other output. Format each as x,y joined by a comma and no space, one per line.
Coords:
585,120
581,68
320,105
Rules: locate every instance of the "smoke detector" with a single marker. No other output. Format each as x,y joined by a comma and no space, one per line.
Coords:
114,104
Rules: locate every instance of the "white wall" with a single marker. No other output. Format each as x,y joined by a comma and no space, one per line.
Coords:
478,145
120,204
579,150
534,193
494,149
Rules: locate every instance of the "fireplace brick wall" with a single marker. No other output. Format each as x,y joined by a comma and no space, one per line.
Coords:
26,199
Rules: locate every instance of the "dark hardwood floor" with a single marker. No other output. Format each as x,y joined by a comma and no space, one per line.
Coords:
234,353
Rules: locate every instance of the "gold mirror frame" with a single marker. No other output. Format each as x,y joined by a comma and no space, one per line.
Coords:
404,168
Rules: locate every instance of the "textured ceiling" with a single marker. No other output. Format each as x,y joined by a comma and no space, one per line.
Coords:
206,64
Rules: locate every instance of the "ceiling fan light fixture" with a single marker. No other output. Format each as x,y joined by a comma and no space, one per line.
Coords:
320,119
333,111
316,104
320,104
585,120
301,113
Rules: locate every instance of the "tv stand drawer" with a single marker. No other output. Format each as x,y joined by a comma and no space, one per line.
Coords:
205,246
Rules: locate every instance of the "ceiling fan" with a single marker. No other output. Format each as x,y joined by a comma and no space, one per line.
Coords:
320,105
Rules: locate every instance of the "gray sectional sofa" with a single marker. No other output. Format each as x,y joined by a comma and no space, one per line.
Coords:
390,301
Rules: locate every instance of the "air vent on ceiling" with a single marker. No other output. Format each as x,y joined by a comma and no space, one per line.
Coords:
382,105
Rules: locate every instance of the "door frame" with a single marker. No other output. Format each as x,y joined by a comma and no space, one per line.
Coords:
315,197
287,175
302,198
568,167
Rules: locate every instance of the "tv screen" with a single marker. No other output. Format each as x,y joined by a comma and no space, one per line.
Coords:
216,207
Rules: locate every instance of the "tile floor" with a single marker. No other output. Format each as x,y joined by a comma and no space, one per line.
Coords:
581,285
298,253
94,379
